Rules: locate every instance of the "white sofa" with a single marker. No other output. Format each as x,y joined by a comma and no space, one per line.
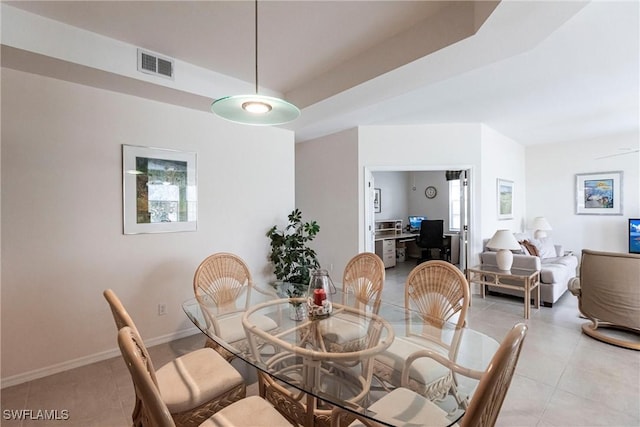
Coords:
556,267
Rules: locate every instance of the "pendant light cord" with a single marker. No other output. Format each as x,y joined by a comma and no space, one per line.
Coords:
256,41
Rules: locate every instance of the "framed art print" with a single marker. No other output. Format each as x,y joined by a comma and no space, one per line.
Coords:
599,193
505,199
159,190
377,202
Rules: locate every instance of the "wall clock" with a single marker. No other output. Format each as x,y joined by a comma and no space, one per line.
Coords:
430,192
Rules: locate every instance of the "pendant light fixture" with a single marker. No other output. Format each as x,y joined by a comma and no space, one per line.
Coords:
255,109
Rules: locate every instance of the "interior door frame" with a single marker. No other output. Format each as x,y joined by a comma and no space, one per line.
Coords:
467,210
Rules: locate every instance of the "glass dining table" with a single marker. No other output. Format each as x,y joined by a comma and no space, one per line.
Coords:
306,367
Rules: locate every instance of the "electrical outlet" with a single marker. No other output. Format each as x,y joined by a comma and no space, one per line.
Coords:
162,309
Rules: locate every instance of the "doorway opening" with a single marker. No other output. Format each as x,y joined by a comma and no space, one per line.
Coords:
394,194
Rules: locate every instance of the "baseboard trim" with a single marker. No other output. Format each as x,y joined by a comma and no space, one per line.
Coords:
87,360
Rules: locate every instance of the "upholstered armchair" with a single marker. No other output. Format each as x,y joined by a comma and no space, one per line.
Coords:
608,292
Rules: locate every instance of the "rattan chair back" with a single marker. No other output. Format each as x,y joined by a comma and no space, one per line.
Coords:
438,291
120,314
488,398
123,320
222,278
363,280
154,410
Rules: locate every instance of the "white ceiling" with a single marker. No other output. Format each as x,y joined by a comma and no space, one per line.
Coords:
538,72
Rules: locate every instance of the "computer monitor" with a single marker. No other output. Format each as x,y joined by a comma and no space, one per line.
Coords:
415,222
634,235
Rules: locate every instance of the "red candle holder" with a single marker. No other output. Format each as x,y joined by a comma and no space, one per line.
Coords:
319,295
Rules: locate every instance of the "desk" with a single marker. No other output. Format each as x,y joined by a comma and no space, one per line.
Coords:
316,376
522,280
385,246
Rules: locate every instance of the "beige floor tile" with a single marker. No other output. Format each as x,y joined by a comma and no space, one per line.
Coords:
602,387
567,409
526,400
536,365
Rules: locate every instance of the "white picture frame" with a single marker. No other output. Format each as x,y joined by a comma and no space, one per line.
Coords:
504,194
599,193
159,190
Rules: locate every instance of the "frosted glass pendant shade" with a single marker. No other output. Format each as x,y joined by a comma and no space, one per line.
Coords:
256,110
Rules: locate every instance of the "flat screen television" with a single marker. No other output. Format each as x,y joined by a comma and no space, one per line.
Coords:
415,222
634,235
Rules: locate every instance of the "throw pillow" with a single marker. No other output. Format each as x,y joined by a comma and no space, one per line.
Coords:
531,248
523,248
545,247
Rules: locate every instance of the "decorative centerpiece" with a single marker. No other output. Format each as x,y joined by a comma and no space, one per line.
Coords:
293,259
319,294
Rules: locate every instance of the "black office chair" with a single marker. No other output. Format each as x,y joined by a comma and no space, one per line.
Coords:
432,237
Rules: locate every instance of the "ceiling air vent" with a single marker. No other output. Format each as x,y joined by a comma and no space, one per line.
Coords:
152,63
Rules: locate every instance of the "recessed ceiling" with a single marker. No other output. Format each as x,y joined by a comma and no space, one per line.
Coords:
537,72
297,40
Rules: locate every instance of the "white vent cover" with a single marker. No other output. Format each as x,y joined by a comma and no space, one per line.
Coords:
152,63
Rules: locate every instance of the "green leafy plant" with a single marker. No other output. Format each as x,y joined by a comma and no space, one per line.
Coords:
291,256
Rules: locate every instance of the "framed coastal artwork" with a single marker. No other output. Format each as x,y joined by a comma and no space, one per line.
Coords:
159,190
505,198
599,193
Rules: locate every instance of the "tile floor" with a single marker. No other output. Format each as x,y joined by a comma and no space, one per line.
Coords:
563,377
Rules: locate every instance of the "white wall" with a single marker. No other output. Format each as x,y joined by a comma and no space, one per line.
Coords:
62,241
505,159
419,204
551,170
422,147
326,191
393,195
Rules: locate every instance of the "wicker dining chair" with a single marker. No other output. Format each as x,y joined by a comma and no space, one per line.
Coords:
154,411
193,386
362,284
439,292
222,284
403,406
363,279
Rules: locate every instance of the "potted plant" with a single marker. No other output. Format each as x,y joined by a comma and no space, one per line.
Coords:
291,256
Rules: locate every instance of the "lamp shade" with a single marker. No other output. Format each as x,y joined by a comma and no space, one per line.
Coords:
504,241
541,225
238,109
255,109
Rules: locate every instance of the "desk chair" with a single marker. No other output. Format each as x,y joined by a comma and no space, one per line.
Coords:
432,237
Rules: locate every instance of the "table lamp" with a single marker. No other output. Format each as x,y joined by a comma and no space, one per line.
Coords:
504,242
541,225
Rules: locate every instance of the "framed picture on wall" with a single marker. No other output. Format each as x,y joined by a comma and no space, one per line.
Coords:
159,190
505,199
377,203
599,193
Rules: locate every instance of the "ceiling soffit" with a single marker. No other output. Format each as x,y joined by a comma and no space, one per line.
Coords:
449,25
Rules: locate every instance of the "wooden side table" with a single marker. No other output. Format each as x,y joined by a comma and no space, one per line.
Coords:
517,279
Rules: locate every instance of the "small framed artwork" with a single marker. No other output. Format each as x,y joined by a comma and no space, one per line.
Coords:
159,190
505,199
599,193
377,202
